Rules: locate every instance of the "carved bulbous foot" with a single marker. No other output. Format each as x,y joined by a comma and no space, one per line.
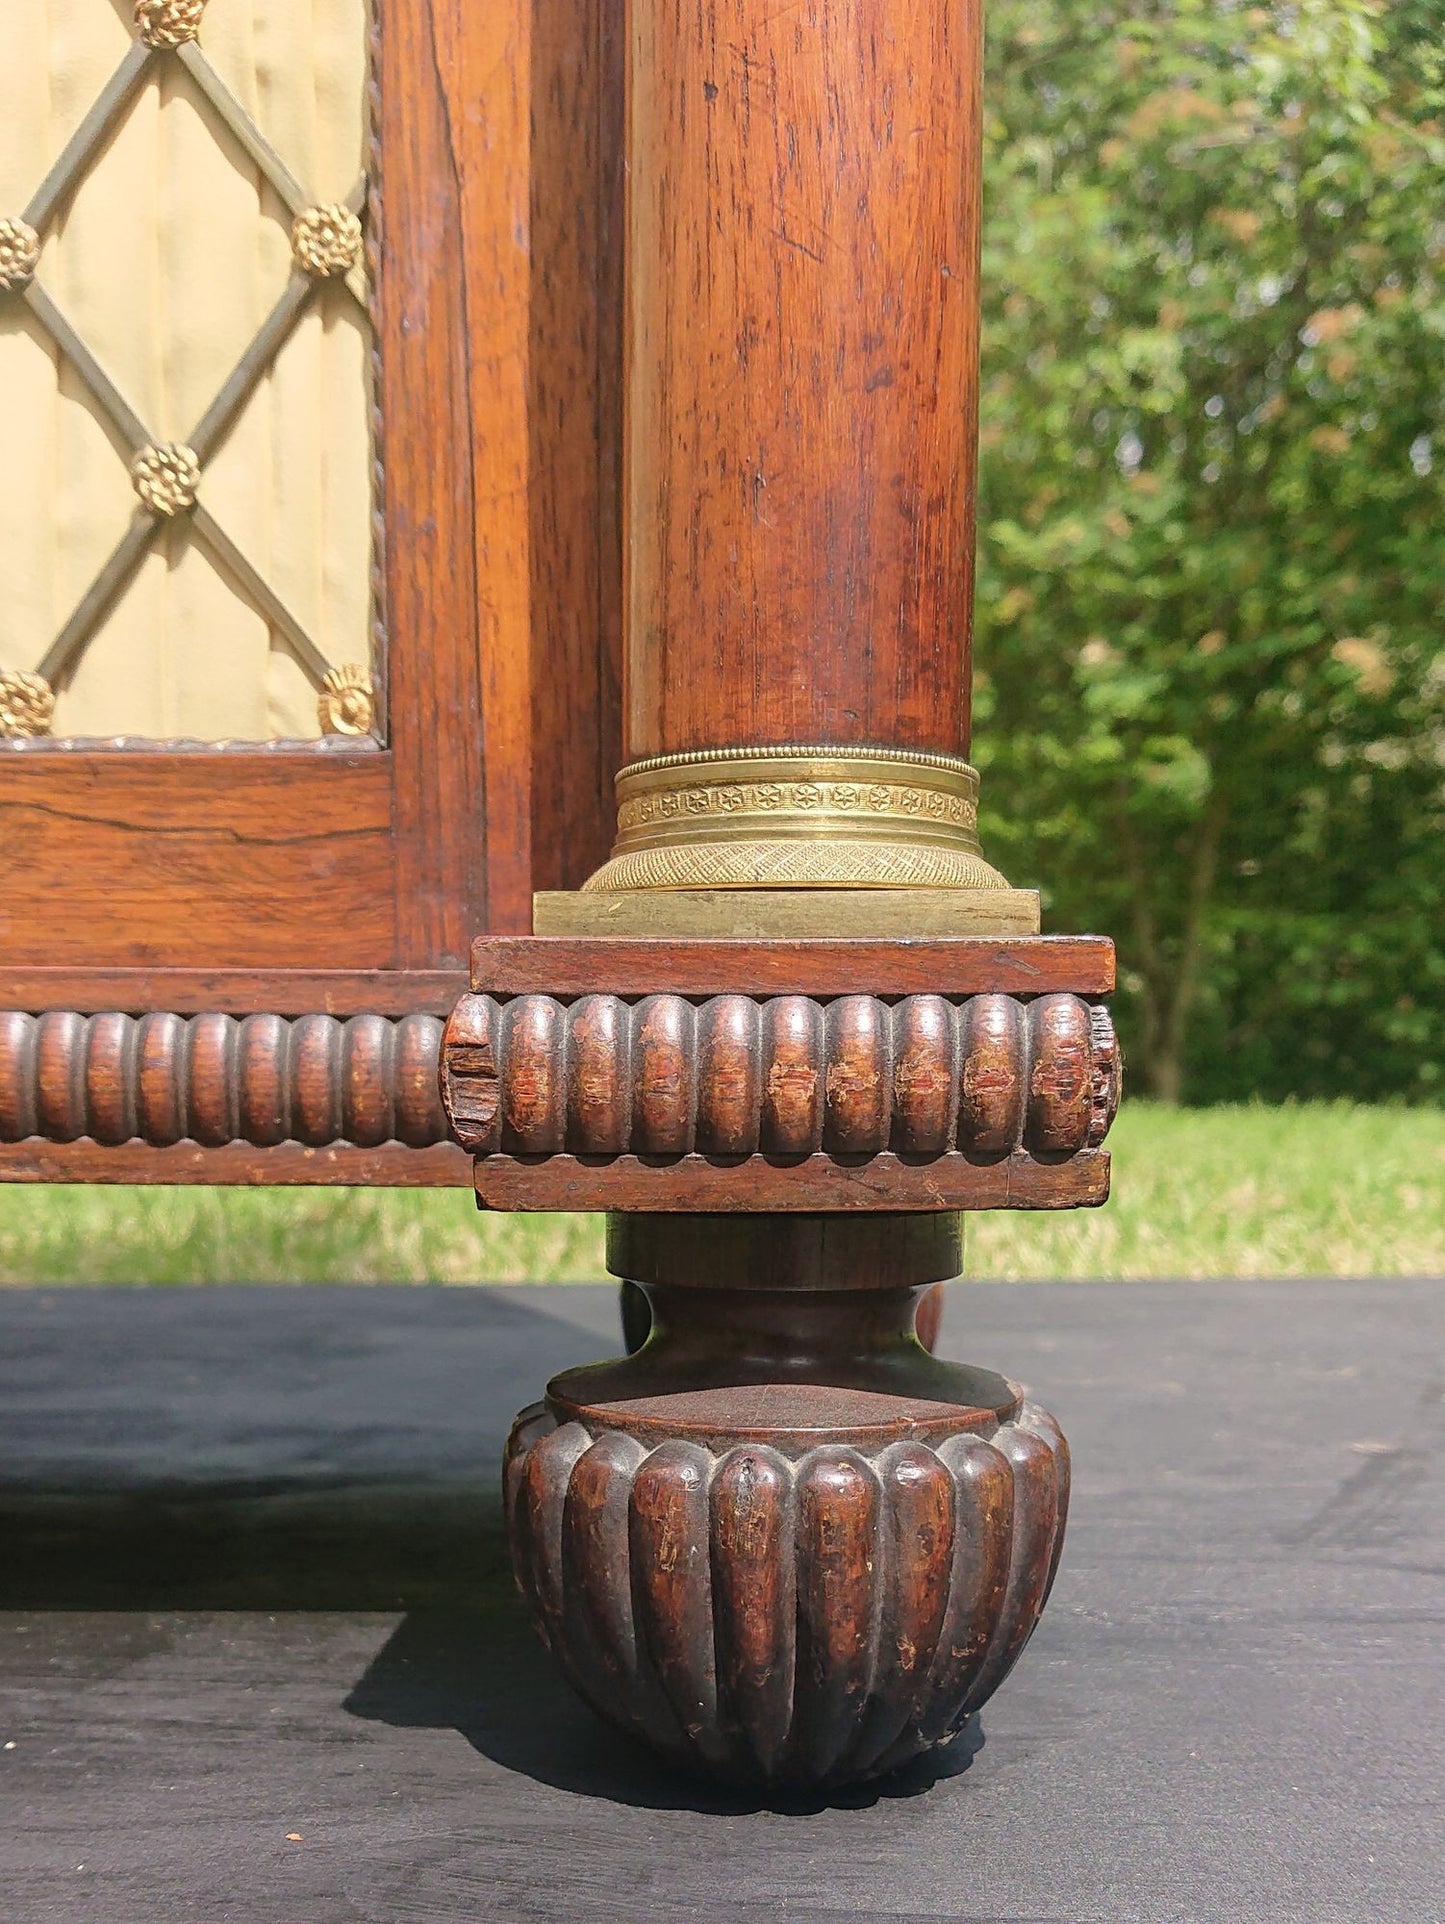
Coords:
794,1612
784,1544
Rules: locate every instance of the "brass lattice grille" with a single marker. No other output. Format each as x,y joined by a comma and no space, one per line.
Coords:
168,475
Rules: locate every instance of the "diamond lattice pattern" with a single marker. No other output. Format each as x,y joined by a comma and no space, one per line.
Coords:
185,365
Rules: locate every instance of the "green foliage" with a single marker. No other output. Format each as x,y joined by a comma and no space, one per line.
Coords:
1320,1189
1212,562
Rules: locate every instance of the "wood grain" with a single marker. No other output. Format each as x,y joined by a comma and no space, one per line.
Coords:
430,506
141,860
803,322
574,431
509,107
392,1166
620,965
233,991
816,1183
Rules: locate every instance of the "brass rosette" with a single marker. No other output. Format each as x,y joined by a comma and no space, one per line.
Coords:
326,241
797,817
27,705
19,254
346,704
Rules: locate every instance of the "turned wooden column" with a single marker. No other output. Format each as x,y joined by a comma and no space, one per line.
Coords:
802,373
796,1025
801,378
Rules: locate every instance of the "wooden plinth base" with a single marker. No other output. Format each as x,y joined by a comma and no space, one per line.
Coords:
783,1543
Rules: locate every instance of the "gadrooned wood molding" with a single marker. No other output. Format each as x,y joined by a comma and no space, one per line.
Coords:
217,1079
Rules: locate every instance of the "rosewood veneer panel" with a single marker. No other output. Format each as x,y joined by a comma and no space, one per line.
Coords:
152,859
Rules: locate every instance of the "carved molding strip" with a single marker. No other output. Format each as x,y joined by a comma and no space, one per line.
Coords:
718,1186
215,1079
788,1075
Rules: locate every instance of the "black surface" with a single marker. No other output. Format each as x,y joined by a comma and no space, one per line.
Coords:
253,1579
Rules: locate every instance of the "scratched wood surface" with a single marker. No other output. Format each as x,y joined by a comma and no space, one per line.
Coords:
837,1609
734,1185
286,1165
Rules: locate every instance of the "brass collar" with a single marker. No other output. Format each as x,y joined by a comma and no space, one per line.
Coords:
797,817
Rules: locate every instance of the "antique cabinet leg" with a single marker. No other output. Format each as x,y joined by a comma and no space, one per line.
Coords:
783,1542
797,1021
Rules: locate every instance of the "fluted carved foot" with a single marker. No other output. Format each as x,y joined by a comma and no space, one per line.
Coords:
796,1615
783,1544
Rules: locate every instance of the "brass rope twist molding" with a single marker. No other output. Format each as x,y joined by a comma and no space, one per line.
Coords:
326,241
167,477
168,23
797,817
19,254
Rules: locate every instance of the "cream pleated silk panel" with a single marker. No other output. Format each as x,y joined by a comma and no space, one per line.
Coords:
165,260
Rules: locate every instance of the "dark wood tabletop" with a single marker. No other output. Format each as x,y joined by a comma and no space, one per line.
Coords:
260,1658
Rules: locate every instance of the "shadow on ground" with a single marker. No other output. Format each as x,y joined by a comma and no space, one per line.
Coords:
463,1657
318,1451
482,1672
237,1546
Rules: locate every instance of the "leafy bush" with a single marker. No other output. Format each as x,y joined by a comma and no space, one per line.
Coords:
1211,685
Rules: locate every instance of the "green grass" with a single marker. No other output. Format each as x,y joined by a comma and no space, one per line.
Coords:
1314,1189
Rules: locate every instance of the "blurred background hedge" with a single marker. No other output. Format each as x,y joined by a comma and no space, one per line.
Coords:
1211,691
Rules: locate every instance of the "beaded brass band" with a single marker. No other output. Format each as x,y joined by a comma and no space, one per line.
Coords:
797,817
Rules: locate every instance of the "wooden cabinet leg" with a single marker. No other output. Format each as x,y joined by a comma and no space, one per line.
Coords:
635,1313
783,1542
